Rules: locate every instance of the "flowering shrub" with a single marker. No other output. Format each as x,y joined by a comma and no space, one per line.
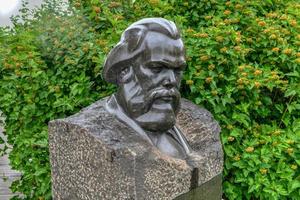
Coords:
243,66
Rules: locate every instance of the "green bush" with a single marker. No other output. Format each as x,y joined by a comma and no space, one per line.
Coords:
243,66
47,71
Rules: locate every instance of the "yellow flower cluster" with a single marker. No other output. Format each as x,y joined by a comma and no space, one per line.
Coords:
201,35
249,149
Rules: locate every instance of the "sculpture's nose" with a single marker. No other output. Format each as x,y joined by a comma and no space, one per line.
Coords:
170,79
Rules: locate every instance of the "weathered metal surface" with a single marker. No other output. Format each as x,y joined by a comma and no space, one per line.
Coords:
211,190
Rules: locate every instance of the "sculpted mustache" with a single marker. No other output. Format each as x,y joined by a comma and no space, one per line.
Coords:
161,92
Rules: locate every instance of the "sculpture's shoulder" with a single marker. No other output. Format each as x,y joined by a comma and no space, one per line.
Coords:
99,123
91,116
200,128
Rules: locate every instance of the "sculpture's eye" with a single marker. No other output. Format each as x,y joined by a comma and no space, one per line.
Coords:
178,71
124,72
156,69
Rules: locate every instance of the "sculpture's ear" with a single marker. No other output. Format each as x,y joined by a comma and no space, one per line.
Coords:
125,75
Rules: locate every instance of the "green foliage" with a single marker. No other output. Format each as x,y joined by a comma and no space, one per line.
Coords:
243,66
48,70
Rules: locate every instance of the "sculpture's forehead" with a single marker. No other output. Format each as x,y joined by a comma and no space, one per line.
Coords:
160,47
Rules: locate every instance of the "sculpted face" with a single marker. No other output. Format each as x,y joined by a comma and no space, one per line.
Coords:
149,88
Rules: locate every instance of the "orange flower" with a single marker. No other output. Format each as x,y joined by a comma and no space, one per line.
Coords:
294,167
276,132
101,42
275,49
240,81
283,17
249,40
227,12
257,84
293,22
237,158
77,4
18,65
290,151
244,74
18,73
280,40
7,66
189,30
227,21
273,36
271,15
237,48
229,127
249,149
154,2
258,103
287,51
223,50
198,74
241,68
97,9
238,6
274,143
261,23
263,170
238,39
208,80
257,72
204,58
201,35
114,4
290,141
119,17
211,67
189,82
214,92
274,73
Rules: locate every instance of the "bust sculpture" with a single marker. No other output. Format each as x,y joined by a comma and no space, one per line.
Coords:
143,142
147,65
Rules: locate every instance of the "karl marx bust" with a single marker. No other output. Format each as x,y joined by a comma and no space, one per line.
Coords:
147,65
144,142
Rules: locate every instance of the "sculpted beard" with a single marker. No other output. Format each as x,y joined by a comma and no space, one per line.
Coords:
161,92
140,104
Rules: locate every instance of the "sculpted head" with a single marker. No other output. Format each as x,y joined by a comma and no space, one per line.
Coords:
147,66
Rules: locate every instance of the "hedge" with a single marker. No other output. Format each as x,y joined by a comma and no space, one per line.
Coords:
243,66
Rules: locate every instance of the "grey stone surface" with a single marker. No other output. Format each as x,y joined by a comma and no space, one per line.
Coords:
95,156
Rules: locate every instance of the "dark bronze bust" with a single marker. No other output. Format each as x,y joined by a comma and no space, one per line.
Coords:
147,66
144,141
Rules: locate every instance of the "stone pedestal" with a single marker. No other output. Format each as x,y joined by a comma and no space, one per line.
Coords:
94,156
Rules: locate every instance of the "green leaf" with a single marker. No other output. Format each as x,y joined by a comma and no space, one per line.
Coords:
294,185
241,118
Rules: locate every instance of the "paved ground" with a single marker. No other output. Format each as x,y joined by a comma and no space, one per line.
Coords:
7,175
